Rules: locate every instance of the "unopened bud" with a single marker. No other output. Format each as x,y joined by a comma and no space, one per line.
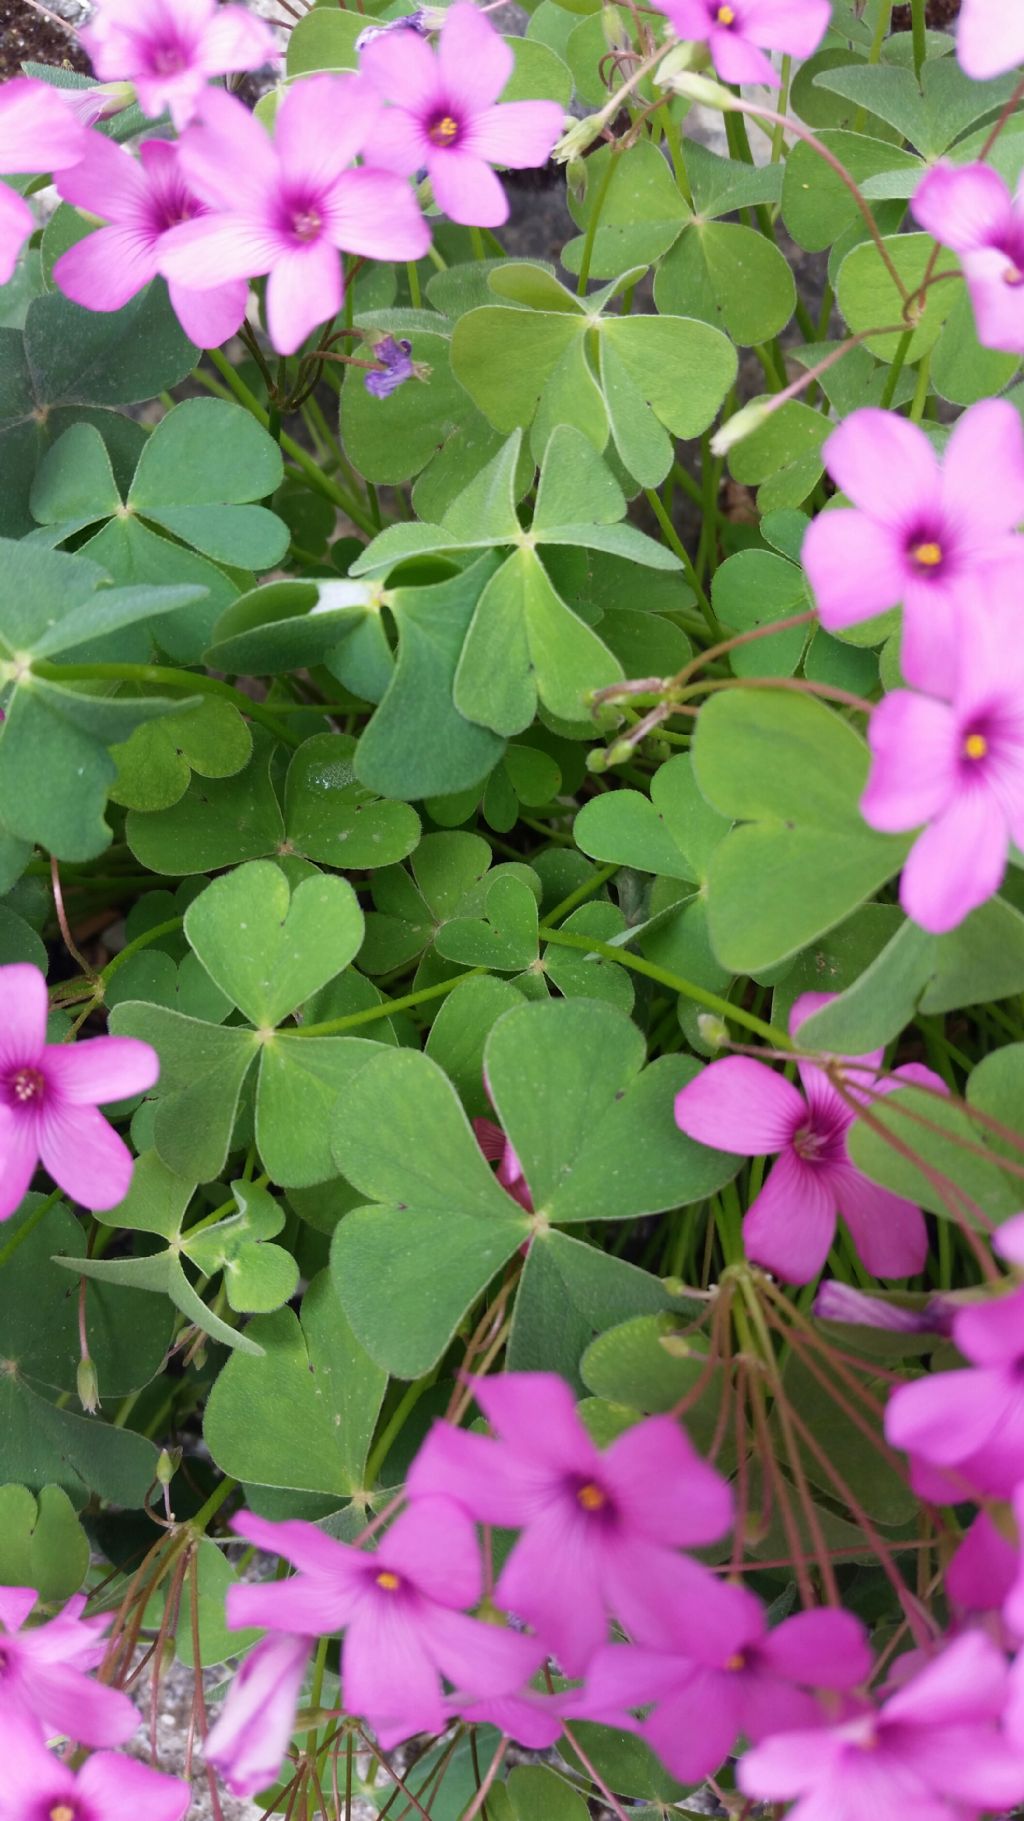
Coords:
168,1462
100,102
87,1386
742,424
615,34
597,759
676,1345
577,138
620,753
713,1029
657,749
698,88
576,179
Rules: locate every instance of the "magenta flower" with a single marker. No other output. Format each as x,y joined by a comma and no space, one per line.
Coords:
43,1673
737,34
969,1423
754,1682
286,206
531,1719
837,1301
969,209
599,1528
402,1608
956,771
924,532
37,1786
985,1572
141,199
251,1734
396,364
738,1104
169,49
499,1149
445,114
933,1752
49,1096
989,37
37,133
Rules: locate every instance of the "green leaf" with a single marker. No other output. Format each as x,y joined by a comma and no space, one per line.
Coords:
218,822
333,817
930,111
41,1445
504,938
750,590
207,450
214,1575
42,1544
681,367
641,210
288,625
301,1080
569,1293
674,834
730,276
867,295
270,949
940,1170
202,1070
505,358
817,207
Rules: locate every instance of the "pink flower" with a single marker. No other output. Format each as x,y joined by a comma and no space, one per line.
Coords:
285,207
498,1149
970,1423
932,1752
837,1301
599,1529
49,1095
969,209
985,1572
990,37
531,1719
251,1734
738,33
43,1673
444,114
924,532
37,133
141,199
744,1680
170,49
738,1104
956,771
402,1608
37,1786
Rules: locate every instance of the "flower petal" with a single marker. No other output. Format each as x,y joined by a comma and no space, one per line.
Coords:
518,134
694,1733
210,318
956,864
466,188
789,1227
663,1488
84,1155
38,131
997,298
251,1734
107,268
304,289
17,222
434,1543
228,159
475,61
235,40
983,473
403,70
992,1333
321,125
963,206
101,1069
376,213
206,253
821,1649
19,1157
886,465
740,1105
552,1580
477,1659
946,1417
855,565
913,742
387,1676
535,1414
23,1010
889,1233
990,37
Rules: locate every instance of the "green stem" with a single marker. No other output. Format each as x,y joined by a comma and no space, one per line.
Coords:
679,549
902,348
350,1023
711,1001
131,948
413,275
393,1428
161,677
203,1517
595,216
674,141
920,398
917,26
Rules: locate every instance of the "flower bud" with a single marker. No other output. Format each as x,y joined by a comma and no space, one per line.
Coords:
577,138
713,1029
168,1462
87,1386
743,423
615,34
699,88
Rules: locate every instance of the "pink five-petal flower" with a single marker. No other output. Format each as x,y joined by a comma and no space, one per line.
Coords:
445,114
36,1786
923,532
970,209
288,206
43,1672
753,1682
250,1736
402,1609
141,199
599,1528
37,133
933,1752
955,770
169,49
970,1422
49,1096
738,32
990,37
738,1104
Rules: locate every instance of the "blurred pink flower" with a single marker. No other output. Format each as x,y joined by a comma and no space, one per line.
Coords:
969,1423
923,532
49,1096
38,134
599,1527
141,199
985,1571
955,770
840,1302
287,206
738,33
402,1608
740,1105
37,1786
43,1673
499,1149
969,209
990,37
251,1734
169,49
446,117
933,1752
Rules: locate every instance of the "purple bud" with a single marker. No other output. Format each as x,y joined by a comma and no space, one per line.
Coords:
396,358
412,22
839,1302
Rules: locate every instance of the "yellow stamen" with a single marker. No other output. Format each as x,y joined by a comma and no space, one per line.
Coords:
975,746
591,1497
928,555
388,1581
62,1813
736,1661
725,16
444,131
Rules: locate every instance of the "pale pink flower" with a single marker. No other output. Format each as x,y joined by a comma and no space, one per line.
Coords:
740,1105
141,199
287,206
925,532
990,37
402,1608
446,118
969,1423
43,1672
934,1751
738,32
955,770
37,133
969,209
599,1527
35,1785
170,49
49,1096
251,1734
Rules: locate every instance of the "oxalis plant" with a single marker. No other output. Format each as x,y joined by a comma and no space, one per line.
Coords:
512,936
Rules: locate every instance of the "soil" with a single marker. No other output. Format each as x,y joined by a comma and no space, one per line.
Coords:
27,36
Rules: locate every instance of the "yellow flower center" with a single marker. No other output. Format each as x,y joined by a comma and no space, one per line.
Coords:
975,746
591,1497
62,1813
928,555
444,131
390,1582
736,1661
725,16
